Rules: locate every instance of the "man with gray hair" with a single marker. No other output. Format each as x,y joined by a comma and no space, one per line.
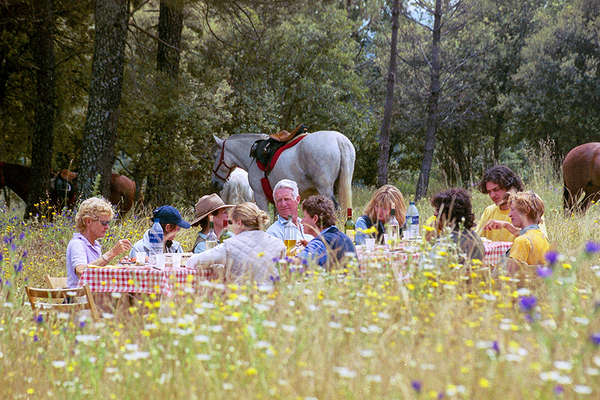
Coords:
287,199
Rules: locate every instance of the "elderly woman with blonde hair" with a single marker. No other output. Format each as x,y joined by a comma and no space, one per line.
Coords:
92,222
250,254
378,211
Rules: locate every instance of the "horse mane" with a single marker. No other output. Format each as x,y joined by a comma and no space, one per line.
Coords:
248,136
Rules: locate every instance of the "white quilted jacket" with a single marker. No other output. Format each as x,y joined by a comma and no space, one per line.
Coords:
248,254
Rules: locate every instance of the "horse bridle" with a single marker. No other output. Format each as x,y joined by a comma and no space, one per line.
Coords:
222,162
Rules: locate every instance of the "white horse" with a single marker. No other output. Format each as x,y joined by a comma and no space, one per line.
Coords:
316,163
237,189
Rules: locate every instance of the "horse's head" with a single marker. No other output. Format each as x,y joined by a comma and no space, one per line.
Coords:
223,165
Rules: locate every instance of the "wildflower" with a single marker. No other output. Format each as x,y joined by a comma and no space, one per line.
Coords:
544,272
18,267
527,303
344,372
582,389
558,390
592,247
416,385
39,318
595,338
251,371
496,347
551,257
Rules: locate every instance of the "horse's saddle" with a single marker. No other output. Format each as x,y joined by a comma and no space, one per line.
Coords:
264,150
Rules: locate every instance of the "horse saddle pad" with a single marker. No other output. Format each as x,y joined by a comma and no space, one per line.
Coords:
264,150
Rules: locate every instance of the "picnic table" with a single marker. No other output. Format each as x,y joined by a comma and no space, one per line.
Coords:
494,251
143,279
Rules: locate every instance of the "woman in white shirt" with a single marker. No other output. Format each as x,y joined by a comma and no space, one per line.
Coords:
251,254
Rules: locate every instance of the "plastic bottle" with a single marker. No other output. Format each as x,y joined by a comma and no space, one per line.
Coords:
392,227
349,227
211,238
412,222
155,236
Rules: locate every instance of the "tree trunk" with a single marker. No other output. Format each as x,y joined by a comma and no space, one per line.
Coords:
432,105
384,134
45,105
170,26
100,130
497,133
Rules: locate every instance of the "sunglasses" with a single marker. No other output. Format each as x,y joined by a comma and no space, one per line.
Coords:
103,223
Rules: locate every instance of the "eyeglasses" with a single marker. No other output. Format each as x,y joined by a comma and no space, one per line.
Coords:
103,223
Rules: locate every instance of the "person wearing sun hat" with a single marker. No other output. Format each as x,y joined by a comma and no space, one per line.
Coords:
210,204
171,221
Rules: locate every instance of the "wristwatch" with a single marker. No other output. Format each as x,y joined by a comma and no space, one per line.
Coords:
106,259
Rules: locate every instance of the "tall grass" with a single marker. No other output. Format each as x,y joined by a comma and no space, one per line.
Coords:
346,334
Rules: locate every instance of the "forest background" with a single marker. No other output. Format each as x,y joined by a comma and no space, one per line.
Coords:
140,87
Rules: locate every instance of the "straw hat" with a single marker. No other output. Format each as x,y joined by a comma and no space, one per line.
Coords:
206,205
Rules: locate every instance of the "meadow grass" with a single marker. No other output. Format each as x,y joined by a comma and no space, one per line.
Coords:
344,334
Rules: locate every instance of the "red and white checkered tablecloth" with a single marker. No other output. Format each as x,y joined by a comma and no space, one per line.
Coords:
143,279
494,251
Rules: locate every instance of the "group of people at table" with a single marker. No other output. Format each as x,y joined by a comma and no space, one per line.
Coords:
251,253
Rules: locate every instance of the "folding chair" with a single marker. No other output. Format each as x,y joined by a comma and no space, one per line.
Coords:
54,299
56,282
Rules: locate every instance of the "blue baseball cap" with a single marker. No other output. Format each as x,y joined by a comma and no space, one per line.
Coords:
169,215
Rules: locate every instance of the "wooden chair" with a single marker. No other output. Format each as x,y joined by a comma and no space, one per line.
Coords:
54,299
56,282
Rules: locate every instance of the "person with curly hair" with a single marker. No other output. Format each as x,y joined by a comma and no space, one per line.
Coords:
92,221
499,182
330,244
452,208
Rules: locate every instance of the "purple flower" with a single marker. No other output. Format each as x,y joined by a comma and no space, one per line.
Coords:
440,395
22,236
416,385
527,303
39,318
18,267
82,324
13,247
551,257
35,338
558,390
496,347
595,338
591,247
25,254
1,257
543,272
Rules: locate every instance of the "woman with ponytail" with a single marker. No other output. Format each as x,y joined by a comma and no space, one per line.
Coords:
250,254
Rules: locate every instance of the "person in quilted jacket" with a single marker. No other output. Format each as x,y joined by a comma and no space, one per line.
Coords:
248,256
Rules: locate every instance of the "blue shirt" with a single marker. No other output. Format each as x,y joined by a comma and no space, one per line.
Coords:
278,227
330,238
364,222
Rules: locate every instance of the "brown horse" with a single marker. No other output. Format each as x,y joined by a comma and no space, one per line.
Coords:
64,186
581,175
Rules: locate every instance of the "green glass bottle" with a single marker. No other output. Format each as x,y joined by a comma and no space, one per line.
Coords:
226,233
349,227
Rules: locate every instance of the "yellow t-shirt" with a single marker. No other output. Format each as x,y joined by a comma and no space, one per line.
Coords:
530,247
495,235
499,235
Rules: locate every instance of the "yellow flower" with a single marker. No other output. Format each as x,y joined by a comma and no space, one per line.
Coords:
251,371
567,266
30,391
368,231
484,383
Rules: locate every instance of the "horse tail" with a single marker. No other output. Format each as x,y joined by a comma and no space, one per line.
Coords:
344,181
566,199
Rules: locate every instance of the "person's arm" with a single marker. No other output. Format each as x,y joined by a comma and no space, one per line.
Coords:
121,246
497,224
216,255
360,237
518,254
314,251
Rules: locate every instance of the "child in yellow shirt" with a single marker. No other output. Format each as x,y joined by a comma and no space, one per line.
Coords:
531,245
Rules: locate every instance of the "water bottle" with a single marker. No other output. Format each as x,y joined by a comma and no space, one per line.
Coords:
412,222
155,236
289,236
211,238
